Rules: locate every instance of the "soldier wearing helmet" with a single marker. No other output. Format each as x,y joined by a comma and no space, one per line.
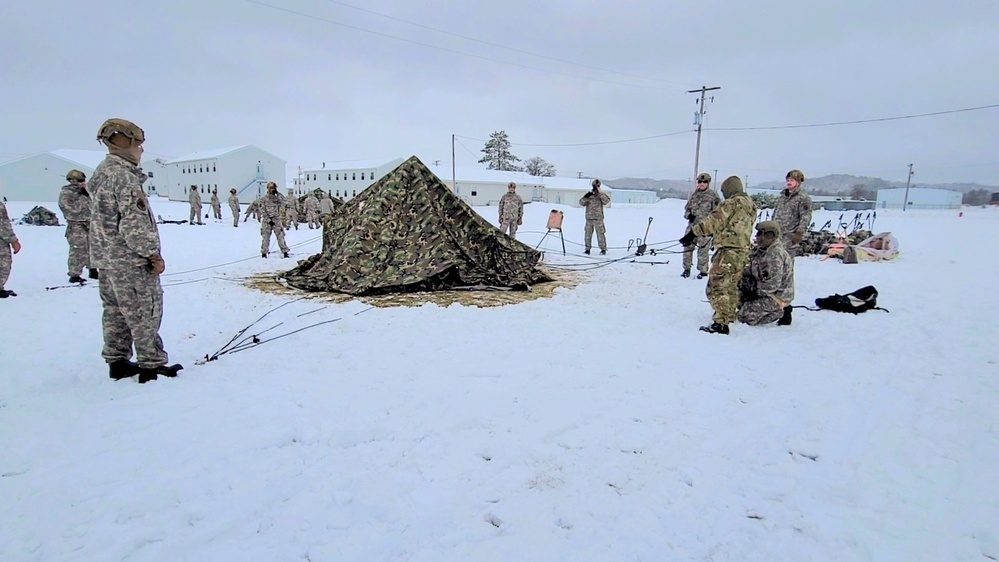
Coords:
594,202
125,247
74,202
511,210
793,212
216,204
767,285
194,198
701,202
234,206
269,207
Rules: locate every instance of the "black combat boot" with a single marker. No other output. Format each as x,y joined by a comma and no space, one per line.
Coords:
287,255
76,279
263,255
701,275
603,252
715,328
4,293
169,370
587,252
786,319
122,369
685,274
93,274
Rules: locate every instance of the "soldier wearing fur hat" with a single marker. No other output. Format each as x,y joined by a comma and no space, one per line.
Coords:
594,202
767,285
701,202
125,247
8,242
74,202
793,212
731,224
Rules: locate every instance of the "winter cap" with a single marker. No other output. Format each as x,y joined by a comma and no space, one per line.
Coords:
731,186
595,183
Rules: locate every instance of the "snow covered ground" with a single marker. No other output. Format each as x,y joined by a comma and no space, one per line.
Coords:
599,424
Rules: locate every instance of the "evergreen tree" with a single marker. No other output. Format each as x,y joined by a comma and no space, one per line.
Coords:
497,153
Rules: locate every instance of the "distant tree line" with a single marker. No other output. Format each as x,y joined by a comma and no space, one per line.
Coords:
977,197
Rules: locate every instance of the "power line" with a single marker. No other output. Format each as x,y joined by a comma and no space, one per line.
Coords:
858,121
455,51
588,143
514,49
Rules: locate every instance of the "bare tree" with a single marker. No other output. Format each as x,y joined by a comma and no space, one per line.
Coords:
538,166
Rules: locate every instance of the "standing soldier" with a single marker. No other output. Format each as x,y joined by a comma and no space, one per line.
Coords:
292,202
216,204
8,241
312,211
125,246
701,203
195,198
74,202
511,210
234,206
326,205
793,212
767,286
270,220
731,224
594,201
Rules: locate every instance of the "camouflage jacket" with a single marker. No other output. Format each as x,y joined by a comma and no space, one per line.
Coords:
74,202
700,204
311,204
6,230
594,205
270,206
773,270
326,206
215,199
122,227
511,208
793,213
194,197
234,201
731,223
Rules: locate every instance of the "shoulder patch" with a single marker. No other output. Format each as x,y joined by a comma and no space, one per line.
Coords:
140,200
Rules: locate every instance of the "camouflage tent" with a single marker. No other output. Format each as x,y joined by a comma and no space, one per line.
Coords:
40,216
408,232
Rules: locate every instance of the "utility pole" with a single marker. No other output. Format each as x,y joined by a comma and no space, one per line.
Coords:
699,121
908,182
579,175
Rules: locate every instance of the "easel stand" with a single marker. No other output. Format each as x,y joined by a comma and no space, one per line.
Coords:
546,236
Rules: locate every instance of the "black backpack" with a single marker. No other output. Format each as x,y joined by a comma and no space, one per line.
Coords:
861,300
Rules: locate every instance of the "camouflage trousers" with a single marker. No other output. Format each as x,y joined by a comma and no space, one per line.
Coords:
703,245
598,226
133,310
217,210
756,312
723,283
78,236
266,227
312,217
6,257
292,219
509,227
196,214
235,214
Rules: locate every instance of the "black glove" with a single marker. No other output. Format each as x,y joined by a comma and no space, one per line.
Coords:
688,239
690,217
271,223
748,288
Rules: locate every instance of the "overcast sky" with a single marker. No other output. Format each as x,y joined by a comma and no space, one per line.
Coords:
313,87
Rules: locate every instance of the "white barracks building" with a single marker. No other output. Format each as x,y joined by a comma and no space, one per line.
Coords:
246,168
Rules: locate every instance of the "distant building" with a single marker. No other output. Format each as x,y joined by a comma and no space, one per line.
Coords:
246,168
634,196
478,186
840,203
344,179
919,198
40,176
995,198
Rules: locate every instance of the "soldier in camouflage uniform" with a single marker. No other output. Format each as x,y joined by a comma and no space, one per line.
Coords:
731,224
270,220
793,212
74,202
511,210
326,205
195,199
292,213
8,242
312,211
216,205
702,201
125,246
767,286
234,206
252,209
594,201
